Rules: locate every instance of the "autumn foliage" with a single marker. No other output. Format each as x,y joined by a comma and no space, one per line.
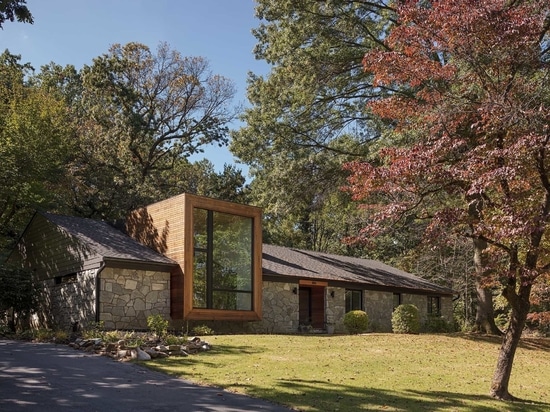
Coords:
466,94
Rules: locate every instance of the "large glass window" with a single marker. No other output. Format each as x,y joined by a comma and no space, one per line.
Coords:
222,260
354,300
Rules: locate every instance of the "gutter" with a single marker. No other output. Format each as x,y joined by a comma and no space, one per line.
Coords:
97,289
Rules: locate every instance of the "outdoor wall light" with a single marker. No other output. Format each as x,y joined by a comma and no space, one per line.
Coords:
331,293
295,291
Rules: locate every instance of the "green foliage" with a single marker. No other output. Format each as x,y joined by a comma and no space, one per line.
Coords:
134,125
174,340
356,321
405,319
308,117
437,324
202,330
96,330
34,147
11,10
18,294
158,325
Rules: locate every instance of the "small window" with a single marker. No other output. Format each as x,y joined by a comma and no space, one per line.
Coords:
354,300
434,305
70,278
396,300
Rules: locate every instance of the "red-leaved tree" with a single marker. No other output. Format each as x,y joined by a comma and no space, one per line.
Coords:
469,104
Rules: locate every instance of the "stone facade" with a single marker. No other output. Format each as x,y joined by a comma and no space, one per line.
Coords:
127,297
67,301
379,308
280,314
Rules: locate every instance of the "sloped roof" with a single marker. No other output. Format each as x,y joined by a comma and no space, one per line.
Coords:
304,264
107,241
110,243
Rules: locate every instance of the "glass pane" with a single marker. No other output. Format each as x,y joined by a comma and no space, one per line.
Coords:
232,252
199,280
226,300
200,227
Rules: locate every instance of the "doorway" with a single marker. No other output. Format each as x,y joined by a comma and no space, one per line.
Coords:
312,306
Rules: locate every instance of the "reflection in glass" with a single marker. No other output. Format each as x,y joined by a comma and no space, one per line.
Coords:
223,273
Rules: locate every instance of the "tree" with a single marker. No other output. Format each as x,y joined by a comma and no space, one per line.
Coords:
34,147
14,10
308,115
472,103
18,295
139,116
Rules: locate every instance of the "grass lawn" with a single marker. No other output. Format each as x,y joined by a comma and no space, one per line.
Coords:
369,372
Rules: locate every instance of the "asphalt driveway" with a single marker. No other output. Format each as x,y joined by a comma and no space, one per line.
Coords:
48,377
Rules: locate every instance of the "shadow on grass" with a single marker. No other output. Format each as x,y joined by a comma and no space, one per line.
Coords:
530,343
327,396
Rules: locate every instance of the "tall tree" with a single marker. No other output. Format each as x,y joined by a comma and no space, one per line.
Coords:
308,115
474,106
34,147
11,10
139,116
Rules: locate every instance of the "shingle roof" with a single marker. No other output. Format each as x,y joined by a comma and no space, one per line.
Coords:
111,243
107,241
304,264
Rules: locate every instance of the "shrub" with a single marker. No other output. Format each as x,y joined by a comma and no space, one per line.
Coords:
356,321
96,330
202,330
405,319
437,324
158,325
175,340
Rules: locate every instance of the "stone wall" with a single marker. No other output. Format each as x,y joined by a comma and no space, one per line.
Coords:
127,297
280,309
68,304
379,308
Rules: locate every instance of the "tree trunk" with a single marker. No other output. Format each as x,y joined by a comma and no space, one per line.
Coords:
485,318
501,378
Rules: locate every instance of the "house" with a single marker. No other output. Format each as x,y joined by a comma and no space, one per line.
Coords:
92,272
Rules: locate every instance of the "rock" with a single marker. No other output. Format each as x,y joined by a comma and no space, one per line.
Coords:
142,355
111,347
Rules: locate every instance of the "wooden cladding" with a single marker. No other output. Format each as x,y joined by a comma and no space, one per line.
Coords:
313,283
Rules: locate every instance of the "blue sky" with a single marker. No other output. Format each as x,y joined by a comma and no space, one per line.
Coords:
76,31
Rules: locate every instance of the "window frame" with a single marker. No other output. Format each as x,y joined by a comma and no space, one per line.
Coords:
192,313
430,310
361,304
399,297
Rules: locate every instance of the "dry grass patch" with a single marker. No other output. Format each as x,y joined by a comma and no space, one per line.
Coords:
369,372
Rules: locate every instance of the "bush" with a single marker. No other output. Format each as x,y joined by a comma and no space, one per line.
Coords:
405,319
202,330
437,324
158,325
356,321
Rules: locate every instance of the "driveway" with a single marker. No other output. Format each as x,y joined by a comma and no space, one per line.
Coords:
48,377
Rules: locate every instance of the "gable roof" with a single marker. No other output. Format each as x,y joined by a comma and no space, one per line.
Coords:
283,261
112,244
107,241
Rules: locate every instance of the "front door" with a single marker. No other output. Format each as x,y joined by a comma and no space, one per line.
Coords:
312,306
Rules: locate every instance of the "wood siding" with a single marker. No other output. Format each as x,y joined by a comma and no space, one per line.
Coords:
165,226
53,252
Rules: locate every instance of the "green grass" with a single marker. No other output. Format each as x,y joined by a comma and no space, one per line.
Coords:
369,372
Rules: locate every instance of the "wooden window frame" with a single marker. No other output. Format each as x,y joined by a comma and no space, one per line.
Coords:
191,313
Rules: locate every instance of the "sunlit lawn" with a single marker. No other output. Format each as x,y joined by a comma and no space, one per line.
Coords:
369,372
